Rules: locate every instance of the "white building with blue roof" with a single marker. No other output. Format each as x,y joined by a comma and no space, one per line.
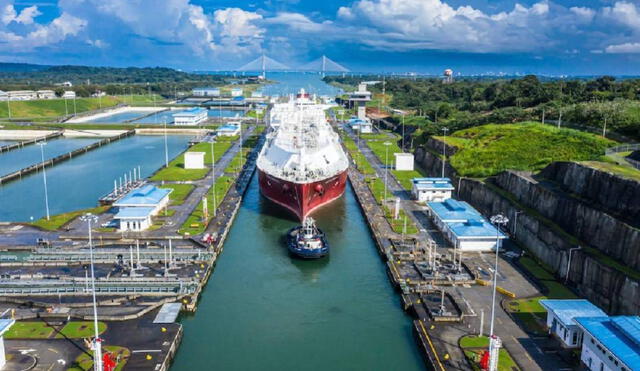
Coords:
464,226
561,315
190,117
610,343
229,129
5,325
137,207
431,189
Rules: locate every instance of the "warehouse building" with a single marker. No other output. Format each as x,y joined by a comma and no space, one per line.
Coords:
191,117
137,207
561,315
610,343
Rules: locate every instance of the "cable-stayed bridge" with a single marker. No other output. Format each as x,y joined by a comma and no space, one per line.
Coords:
264,63
324,64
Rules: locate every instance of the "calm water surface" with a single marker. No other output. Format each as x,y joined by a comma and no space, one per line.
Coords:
264,310
119,117
20,158
79,183
292,82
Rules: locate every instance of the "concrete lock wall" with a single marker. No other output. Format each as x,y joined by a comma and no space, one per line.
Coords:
608,288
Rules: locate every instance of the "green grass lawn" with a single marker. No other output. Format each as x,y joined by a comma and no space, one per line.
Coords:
29,330
489,149
376,185
57,221
176,170
180,192
239,160
623,170
81,329
361,162
195,223
474,346
52,108
40,330
85,363
144,99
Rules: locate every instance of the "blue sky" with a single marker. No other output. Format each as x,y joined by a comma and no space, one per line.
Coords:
471,36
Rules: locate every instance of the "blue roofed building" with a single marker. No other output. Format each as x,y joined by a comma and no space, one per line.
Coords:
561,315
361,125
610,343
229,129
136,208
431,189
464,226
190,117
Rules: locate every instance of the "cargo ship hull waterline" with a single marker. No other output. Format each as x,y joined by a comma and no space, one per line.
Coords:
302,165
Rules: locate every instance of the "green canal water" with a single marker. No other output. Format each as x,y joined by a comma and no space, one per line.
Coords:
264,310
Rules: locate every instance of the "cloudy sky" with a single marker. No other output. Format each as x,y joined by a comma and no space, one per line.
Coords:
470,36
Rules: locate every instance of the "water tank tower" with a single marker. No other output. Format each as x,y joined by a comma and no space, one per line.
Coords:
448,76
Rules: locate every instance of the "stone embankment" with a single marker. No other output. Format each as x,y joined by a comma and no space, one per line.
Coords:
566,206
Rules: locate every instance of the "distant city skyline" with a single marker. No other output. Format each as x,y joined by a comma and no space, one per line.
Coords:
561,37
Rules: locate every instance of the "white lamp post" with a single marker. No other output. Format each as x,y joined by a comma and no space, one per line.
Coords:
44,177
97,352
494,342
386,170
213,178
444,148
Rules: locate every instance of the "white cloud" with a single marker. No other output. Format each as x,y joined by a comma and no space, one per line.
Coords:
9,14
625,13
623,48
237,30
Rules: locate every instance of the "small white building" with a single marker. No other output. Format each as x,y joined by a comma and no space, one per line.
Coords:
363,126
206,92
191,117
194,160
404,161
256,94
69,94
22,95
46,94
464,226
610,343
431,189
236,92
561,315
5,325
137,207
229,129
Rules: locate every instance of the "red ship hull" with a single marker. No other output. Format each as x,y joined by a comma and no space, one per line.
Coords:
302,198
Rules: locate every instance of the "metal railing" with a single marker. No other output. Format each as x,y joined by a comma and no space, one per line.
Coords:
626,148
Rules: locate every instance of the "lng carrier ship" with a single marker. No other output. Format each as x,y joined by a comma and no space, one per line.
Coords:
302,165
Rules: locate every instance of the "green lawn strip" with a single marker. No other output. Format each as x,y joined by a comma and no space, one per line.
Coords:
195,223
53,108
180,192
85,363
176,171
57,221
29,330
376,185
144,99
474,346
361,161
81,329
620,169
489,149
239,159
404,177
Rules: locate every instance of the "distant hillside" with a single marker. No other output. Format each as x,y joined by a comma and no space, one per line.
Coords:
43,75
21,67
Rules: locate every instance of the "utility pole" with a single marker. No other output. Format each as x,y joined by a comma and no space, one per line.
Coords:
494,341
97,342
213,178
44,178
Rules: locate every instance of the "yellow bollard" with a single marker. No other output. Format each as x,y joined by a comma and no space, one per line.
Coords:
418,301
432,327
164,329
149,357
201,265
446,356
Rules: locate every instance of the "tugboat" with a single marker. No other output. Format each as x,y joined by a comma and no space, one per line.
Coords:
307,241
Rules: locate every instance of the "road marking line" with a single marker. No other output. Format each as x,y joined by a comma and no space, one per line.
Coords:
52,350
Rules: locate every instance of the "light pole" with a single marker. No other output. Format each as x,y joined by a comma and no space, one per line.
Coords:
403,131
386,170
494,342
444,148
44,178
97,353
166,151
213,178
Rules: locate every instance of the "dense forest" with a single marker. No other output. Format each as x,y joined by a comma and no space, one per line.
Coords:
113,81
470,102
